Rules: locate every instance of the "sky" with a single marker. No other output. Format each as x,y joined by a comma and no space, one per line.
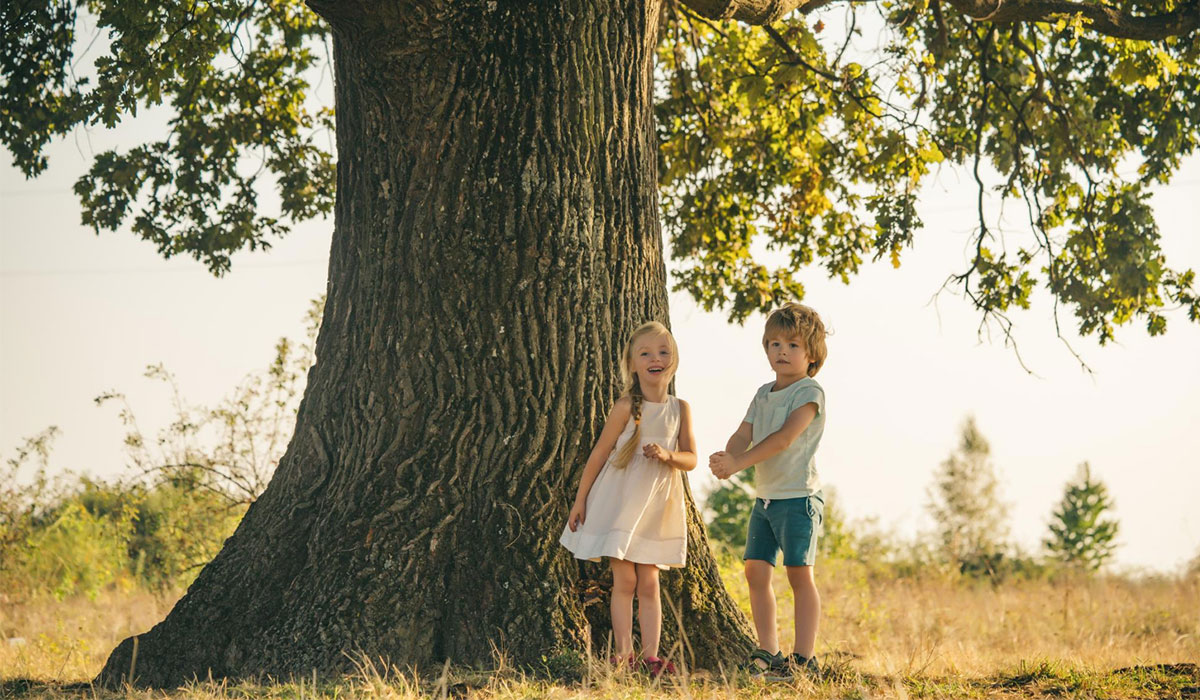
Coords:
82,314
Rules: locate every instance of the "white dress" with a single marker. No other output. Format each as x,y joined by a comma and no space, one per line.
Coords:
637,513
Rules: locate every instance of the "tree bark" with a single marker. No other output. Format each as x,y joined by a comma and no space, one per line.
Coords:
496,239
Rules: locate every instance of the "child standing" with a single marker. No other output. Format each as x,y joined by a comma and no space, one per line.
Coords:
784,424
630,502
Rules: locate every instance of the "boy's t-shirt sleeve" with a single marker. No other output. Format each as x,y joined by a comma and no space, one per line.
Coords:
750,411
811,393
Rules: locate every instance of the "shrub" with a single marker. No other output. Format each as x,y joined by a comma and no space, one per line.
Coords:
74,552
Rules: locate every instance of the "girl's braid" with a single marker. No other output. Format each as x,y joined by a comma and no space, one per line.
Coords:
626,453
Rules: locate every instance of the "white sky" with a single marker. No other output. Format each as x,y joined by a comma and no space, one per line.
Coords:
81,314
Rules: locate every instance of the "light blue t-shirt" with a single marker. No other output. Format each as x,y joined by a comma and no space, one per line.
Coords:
793,472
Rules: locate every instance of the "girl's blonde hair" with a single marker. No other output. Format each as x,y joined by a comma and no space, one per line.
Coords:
799,321
633,388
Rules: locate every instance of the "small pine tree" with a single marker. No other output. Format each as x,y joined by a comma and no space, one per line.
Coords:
965,504
1080,534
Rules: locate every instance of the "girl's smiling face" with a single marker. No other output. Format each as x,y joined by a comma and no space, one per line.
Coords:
652,361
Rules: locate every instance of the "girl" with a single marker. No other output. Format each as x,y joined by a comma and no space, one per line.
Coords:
630,504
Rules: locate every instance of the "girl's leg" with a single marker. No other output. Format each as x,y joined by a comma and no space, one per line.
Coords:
808,608
621,606
762,603
649,609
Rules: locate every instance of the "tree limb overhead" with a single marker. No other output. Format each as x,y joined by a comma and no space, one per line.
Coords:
1104,19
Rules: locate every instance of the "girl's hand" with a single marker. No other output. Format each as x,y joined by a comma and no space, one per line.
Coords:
723,464
654,451
575,519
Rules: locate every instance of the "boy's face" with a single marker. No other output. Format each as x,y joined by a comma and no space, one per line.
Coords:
788,357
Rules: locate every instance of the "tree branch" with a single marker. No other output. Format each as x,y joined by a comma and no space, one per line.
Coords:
748,11
795,56
1103,19
756,12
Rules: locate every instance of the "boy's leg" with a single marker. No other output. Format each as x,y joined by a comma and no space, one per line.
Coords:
799,543
808,608
762,603
621,606
649,609
759,557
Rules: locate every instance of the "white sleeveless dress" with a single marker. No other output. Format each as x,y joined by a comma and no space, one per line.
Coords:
637,513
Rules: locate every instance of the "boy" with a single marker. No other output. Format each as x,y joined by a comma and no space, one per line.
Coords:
784,425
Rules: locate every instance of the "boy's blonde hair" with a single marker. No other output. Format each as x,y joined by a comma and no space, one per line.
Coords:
799,321
633,388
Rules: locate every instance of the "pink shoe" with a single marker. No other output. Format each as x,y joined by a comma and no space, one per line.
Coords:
622,662
658,667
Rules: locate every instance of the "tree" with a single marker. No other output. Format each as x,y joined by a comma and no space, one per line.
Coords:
1080,533
965,504
496,235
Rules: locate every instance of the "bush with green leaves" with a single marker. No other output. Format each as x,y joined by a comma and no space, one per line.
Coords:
85,535
74,552
727,509
51,541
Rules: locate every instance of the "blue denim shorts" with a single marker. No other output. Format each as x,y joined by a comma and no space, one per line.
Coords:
790,524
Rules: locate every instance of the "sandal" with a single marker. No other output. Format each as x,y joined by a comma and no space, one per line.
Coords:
803,664
772,664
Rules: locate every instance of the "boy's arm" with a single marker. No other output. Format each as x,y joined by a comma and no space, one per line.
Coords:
797,422
723,463
739,441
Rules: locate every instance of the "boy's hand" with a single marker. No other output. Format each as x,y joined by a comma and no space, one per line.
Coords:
575,519
654,451
723,464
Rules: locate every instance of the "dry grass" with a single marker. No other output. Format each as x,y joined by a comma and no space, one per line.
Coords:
884,638
68,641
951,626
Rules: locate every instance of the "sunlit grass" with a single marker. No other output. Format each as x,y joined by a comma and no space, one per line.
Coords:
938,637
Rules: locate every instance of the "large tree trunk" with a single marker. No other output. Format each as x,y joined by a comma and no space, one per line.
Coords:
496,239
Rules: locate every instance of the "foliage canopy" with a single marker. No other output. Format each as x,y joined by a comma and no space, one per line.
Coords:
777,132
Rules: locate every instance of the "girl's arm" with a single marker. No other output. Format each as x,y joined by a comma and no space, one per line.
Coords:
684,455
617,418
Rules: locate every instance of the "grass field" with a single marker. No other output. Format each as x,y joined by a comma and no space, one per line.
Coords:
899,638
